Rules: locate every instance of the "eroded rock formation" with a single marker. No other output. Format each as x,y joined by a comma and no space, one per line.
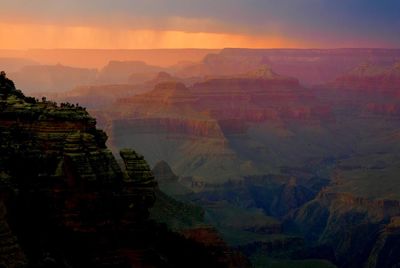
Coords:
65,201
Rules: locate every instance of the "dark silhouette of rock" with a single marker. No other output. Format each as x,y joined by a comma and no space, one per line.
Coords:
69,203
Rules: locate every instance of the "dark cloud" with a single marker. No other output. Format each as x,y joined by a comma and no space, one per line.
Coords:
361,20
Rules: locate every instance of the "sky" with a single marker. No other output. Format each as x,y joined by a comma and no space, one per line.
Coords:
133,24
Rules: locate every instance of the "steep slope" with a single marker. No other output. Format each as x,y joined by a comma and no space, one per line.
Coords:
165,123
356,215
65,202
188,218
65,183
358,229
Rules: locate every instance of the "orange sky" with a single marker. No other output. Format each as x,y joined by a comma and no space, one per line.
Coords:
25,36
144,24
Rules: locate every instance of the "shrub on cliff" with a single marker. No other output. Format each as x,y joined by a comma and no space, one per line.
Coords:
6,85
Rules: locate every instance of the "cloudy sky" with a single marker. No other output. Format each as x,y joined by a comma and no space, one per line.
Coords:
199,23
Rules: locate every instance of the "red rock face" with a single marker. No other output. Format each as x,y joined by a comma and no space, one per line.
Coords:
257,98
203,123
250,87
219,106
169,108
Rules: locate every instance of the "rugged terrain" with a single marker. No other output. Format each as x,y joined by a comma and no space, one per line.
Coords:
212,124
291,175
66,202
287,174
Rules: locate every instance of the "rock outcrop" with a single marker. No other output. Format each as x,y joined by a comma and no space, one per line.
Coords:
68,202
65,176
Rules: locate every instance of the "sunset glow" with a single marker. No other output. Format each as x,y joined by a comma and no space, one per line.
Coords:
199,24
26,36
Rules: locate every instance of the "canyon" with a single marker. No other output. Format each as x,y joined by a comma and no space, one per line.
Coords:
65,201
318,145
289,157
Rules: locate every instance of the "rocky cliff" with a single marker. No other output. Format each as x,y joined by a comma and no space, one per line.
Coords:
257,96
62,177
168,108
65,201
188,218
362,232
206,123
